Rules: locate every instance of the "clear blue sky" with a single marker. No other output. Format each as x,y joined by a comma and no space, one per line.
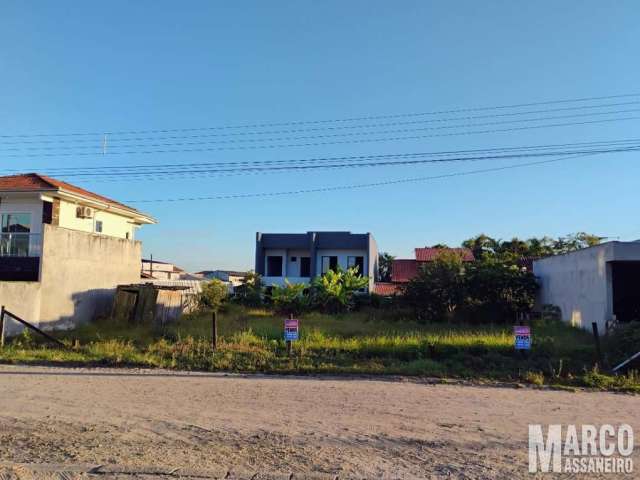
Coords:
69,66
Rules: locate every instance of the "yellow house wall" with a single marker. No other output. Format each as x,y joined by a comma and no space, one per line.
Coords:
113,225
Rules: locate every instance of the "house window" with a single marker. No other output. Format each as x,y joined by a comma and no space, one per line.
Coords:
16,222
329,263
14,237
294,259
305,267
98,226
274,266
126,235
356,262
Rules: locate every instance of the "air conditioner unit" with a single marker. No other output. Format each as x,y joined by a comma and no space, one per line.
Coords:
84,212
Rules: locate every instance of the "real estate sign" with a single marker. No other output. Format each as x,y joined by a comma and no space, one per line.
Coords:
291,329
522,337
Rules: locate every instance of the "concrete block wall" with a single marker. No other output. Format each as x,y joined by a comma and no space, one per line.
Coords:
79,274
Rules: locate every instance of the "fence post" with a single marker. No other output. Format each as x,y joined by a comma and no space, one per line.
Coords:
2,327
214,330
596,336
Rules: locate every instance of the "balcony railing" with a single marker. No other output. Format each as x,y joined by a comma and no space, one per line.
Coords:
20,244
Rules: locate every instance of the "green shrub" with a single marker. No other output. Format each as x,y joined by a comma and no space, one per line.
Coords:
334,291
291,298
534,378
213,294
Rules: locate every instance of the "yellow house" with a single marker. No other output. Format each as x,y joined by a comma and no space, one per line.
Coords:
63,249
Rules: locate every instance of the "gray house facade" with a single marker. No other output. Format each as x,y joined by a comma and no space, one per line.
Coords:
300,257
593,284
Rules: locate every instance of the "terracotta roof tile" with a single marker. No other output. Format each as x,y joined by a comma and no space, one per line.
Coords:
386,289
29,182
403,270
428,254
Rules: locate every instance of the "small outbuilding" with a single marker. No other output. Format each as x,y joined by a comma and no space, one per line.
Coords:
596,284
156,305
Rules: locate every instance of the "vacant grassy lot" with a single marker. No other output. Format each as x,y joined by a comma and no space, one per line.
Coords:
369,342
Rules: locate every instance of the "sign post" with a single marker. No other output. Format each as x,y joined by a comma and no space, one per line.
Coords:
291,331
522,337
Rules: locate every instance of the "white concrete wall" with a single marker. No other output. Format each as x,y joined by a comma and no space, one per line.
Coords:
79,274
113,225
579,283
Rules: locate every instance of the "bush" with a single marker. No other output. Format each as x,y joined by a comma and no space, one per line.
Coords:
487,290
213,294
290,298
498,292
438,290
249,293
334,291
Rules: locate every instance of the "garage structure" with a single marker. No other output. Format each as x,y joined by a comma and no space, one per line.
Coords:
593,284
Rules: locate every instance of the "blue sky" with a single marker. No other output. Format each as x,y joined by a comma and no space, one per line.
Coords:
94,67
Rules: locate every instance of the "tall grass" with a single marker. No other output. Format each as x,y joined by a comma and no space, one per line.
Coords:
367,342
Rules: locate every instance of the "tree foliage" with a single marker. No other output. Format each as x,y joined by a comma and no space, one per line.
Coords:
213,294
510,251
438,289
249,292
334,291
498,291
385,262
291,298
486,290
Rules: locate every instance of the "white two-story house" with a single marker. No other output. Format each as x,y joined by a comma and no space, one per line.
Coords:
299,257
63,249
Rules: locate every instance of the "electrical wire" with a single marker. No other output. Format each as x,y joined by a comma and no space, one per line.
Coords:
315,137
335,120
116,139
314,144
356,186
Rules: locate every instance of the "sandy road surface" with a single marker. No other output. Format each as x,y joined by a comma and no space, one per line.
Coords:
353,428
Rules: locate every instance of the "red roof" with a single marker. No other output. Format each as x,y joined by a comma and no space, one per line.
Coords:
428,254
386,289
403,270
34,182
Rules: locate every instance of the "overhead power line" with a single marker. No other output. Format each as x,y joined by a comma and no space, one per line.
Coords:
334,120
356,186
157,175
329,135
180,167
313,144
115,139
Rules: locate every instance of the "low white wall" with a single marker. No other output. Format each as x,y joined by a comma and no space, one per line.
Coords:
22,299
80,272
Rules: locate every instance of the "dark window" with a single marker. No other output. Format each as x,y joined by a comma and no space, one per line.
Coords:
16,222
356,262
305,266
98,226
294,259
47,212
274,266
329,263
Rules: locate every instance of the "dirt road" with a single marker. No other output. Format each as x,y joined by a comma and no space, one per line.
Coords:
353,428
